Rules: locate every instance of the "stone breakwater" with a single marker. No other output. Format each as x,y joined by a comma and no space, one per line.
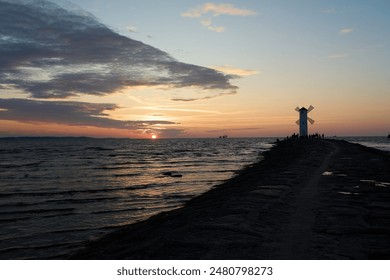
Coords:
307,199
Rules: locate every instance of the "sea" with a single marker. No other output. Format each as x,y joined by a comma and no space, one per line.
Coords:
377,142
58,193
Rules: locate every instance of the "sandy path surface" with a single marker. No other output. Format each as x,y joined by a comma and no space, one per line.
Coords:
308,199
299,233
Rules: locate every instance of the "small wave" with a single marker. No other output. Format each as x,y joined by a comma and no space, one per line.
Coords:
109,227
13,220
74,192
11,151
127,175
99,149
118,210
179,196
37,211
117,166
11,165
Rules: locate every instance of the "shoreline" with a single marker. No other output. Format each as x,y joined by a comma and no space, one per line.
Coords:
307,199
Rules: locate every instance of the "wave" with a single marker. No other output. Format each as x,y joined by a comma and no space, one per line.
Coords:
75,192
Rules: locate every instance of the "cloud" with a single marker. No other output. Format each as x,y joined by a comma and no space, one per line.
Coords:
212,9
132,29
345,31
370,48
216,10
208,23
202,98
68,113
230,70
50,52
329,11
168,108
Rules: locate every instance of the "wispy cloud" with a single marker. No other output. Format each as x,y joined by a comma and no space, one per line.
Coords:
371,48
216,10
329,11
209,24
231,70
169,108
211,9
188,99
132,29
344,31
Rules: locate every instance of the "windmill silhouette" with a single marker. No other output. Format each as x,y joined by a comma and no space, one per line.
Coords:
303,118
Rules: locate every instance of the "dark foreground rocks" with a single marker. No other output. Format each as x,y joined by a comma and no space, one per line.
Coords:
308,199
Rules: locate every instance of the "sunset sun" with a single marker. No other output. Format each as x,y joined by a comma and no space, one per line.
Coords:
154,136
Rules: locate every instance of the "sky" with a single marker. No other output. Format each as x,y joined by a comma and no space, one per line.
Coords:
137,68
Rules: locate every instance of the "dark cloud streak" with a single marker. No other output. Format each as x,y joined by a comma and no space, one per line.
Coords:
68,113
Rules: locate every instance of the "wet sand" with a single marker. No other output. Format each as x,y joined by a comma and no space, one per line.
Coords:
307,199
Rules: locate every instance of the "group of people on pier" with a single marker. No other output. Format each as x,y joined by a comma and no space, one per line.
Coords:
310,136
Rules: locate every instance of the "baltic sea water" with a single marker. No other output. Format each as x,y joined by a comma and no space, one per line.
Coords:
57,193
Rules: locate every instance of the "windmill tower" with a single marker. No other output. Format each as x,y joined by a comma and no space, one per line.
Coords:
303,118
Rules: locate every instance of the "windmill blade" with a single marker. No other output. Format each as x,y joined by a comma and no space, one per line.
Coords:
310,120
297,109
310,109
297,122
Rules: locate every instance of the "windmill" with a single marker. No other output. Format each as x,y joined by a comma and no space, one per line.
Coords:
303,118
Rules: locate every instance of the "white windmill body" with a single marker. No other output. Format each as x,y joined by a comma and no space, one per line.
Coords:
303,128
303,119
